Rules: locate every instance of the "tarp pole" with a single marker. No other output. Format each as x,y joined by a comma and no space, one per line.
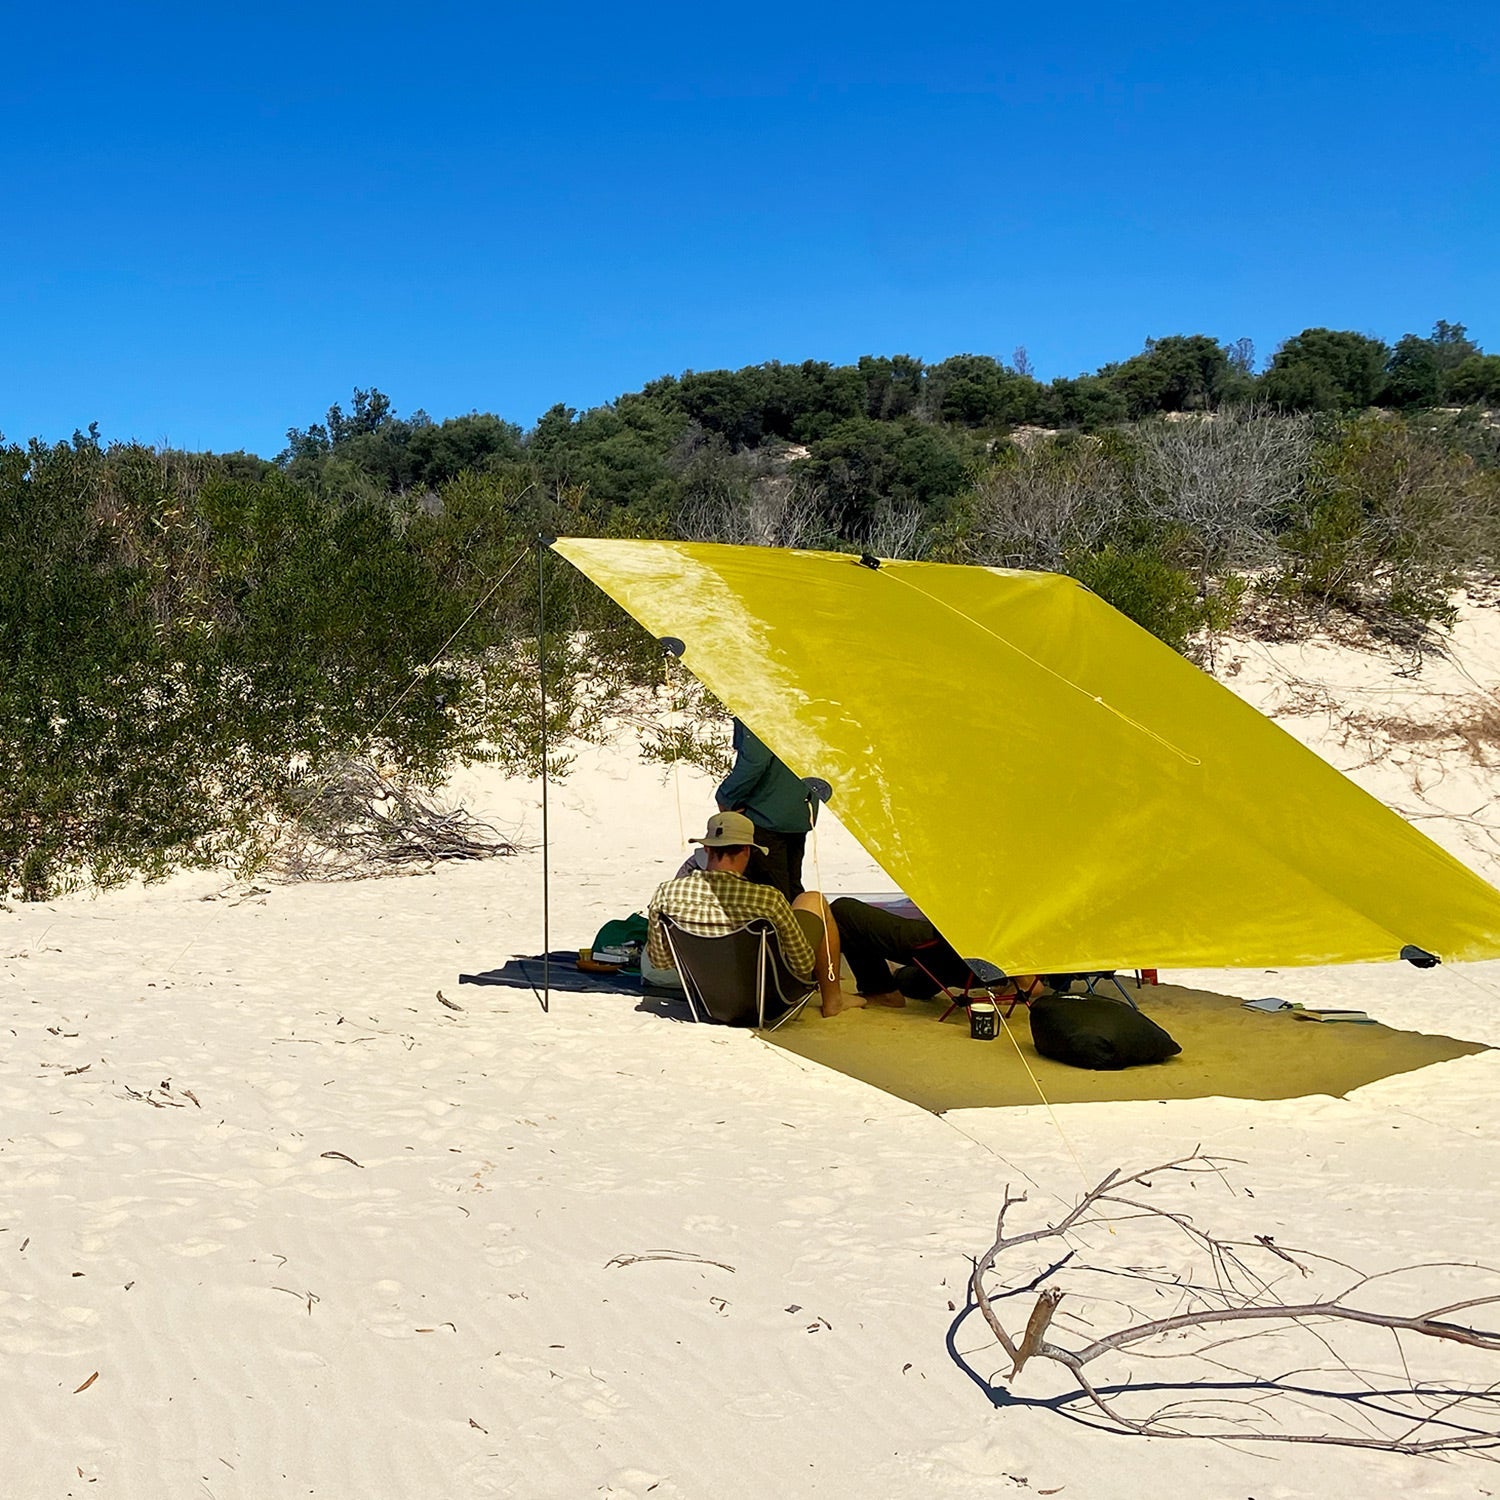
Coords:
542,543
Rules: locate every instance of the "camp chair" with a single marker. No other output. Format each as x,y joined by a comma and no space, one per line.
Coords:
737,978
1091,981
979,982
983,979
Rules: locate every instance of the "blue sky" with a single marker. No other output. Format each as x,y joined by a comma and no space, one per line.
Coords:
216,224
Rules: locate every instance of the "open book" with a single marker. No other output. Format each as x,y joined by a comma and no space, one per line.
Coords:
1301,1013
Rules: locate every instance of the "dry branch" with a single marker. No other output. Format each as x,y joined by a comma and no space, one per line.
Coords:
683,1255
1374,1374
359,822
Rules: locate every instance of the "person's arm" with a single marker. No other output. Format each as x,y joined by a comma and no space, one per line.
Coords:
800,955
751,762
656,942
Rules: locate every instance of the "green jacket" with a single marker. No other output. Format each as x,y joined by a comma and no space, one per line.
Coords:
764,788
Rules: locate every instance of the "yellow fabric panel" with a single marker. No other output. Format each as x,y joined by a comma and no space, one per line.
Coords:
1055,788
1228,1052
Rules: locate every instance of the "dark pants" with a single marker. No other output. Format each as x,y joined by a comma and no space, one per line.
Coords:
872,939
782,867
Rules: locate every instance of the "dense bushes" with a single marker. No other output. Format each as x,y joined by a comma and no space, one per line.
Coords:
1173,522
1388,523
182,640
187,635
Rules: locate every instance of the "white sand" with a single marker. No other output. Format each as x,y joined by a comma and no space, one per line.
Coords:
443,1319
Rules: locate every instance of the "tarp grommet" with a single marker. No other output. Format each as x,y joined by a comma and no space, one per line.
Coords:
1420,958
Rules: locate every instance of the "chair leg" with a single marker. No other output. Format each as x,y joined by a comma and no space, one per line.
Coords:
1093,981
794,1010
761,965
961,1000
763,985
694,1000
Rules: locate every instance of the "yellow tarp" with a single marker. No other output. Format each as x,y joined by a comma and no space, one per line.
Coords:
1227,1052
972,719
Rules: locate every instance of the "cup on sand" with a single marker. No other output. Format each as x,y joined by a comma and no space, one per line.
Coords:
984,1016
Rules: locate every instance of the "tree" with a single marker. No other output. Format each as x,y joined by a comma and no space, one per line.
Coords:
1323,369
728,403
1417,369
441,450
1451,344
864,469
177,630
893,386
1475,382
371,440
618,456
1088,401
1180,373
803,402
1412,376
372,411
553,428
796,403
975,390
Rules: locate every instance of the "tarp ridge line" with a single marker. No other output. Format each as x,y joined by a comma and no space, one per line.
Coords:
1120,714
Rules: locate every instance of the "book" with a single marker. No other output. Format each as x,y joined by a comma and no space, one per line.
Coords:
1300,1012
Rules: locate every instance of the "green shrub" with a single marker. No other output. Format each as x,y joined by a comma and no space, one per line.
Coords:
1388,524
1144,585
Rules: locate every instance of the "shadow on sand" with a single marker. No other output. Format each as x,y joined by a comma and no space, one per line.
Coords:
1227,1051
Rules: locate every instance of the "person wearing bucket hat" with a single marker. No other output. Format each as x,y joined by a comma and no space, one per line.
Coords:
728,830
719,899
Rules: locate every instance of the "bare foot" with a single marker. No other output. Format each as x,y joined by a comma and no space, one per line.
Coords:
835,1005
892,998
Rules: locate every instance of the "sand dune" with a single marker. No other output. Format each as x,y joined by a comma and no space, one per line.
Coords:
275,1221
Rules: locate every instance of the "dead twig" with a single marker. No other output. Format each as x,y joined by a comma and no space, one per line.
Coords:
1221,1348
635,1260
359,822
308,1297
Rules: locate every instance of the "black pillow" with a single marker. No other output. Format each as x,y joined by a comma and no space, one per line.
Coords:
1088,1031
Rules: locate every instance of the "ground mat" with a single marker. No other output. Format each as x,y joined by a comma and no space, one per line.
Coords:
1227,1051
524,972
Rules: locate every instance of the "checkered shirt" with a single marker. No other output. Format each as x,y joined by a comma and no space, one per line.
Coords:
713,902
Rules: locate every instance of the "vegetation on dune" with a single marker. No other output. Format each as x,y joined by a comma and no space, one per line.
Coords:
193,640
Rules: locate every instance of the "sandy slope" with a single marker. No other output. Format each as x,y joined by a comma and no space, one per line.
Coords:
442,1314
